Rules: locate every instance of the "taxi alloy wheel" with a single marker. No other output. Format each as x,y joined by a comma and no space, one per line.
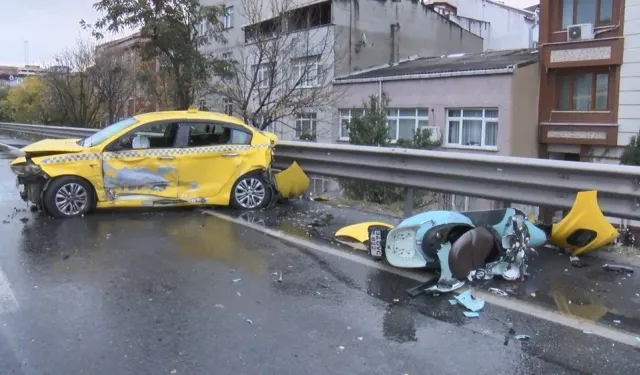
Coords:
250,192
68,197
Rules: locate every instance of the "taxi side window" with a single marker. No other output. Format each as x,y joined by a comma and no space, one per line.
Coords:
212,134
161,135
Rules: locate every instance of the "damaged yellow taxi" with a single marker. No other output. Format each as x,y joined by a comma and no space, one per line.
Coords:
176,158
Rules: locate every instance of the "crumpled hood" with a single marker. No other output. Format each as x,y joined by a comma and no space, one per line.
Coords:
53,146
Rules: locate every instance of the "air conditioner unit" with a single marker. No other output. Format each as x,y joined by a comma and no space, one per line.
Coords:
580,32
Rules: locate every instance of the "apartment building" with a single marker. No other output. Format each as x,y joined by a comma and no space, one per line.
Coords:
128,48
11,76
590,78
501,26
360,34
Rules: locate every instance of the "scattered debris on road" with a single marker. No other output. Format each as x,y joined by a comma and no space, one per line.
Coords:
522,337
468,301
219,306
470,314
249,321
498,292
236,280
617,268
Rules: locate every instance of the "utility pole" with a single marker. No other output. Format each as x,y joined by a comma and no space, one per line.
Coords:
26,53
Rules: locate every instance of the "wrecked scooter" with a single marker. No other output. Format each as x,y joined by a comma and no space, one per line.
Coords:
475,245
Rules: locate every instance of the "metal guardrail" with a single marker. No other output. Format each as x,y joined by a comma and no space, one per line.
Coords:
511,179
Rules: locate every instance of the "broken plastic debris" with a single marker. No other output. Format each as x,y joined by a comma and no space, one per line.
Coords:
236,280
498,292
239,295
466,300
533,295
341,347
219,306
522,337
470,314
587,331
280,278
453,302
249,321
174,372
616,321
360,338
617,268
396,300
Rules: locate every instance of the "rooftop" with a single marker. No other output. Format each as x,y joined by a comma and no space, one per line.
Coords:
469,62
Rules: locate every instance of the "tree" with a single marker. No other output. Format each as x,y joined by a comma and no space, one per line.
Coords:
371,129
28,103
71,86
4,92
114,81
285,67
631,152
175,31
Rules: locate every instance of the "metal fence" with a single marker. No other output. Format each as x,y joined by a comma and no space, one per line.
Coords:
533,181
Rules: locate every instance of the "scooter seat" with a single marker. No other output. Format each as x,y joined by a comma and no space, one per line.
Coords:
470,251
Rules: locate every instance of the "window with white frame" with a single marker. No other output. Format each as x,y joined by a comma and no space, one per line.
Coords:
306,124
306,71
403,122
263,76
227,106
345,118
202,105
472,127
228,17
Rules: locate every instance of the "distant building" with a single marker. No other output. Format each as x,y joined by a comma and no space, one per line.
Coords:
13,75
129,47
501,26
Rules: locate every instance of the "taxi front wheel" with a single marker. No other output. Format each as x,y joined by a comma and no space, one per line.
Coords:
250,192
68,197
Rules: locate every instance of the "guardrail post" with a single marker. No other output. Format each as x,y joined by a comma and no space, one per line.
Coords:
408,202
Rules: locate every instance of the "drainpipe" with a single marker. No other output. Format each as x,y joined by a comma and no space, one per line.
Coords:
379,92
535,23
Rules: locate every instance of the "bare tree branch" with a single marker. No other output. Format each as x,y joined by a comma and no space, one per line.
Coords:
284,67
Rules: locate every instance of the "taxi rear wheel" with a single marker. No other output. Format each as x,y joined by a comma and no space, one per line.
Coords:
250,192
68,197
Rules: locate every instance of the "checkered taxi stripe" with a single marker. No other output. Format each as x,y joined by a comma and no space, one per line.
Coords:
71,158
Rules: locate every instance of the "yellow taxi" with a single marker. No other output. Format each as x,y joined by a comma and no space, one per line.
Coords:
173,158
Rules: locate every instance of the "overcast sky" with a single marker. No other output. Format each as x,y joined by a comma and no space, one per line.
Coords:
52,25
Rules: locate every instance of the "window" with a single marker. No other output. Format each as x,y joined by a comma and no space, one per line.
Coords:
596,12
345,118
227,56
588,91
263,76
404,122
472,127
161,135
108,132
202,105
228,17
227,106
306,71
305,124
208,134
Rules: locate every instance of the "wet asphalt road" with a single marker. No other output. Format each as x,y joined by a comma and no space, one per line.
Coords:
154,293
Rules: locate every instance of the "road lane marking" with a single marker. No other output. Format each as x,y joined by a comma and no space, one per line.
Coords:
8,302
512,304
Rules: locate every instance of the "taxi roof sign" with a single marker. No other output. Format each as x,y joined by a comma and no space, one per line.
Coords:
192,109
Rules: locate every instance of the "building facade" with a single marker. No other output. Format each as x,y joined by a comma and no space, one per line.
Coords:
11,76
483,103
361,34
590,78
501,27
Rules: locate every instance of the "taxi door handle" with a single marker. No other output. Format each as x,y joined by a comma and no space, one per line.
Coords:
166,157
230,154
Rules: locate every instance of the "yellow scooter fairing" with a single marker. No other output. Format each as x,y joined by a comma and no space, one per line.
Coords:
359,232
585,228
292,182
